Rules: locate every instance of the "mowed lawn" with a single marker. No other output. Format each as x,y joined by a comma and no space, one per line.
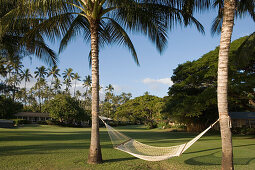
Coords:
52,147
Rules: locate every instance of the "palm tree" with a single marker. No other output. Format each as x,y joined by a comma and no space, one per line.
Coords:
40,73
15,25
67,82
109,88
57,85
224,23
76,77
87,82
104,22
54,72
25,75
68,75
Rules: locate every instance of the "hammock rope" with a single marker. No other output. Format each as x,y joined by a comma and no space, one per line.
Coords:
147,152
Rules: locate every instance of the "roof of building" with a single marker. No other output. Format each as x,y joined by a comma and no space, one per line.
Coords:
242,115
32,114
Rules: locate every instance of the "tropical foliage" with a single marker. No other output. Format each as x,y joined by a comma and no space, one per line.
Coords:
192,99
144,109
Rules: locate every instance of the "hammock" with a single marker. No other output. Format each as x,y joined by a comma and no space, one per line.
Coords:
147,152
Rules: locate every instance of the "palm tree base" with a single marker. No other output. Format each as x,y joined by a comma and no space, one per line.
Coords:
95,157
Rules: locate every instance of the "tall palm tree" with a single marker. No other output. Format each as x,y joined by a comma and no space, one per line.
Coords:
87,82
40,74
224,23
109,88
76,77
104,22
68,76
54,72
26,75
57,85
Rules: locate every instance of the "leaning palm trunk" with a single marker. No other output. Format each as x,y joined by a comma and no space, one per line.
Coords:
226,33
95,155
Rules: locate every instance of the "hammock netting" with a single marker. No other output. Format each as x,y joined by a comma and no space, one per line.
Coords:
147,152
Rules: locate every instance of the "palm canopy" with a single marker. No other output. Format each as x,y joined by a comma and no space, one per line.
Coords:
68,19
14,26
243,7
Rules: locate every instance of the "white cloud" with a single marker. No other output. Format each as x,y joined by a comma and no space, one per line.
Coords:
156,84
150,81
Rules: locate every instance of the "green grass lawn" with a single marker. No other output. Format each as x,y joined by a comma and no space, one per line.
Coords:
51,147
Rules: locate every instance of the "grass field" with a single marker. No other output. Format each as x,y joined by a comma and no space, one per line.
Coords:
52,147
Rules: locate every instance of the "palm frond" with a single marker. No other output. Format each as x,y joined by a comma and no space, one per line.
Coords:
118,35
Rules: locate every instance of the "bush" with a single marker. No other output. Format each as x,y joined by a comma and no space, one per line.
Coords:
150,125
243,130
18,122
51,122
250,131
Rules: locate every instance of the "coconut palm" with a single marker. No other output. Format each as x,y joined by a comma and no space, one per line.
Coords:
104,22
68,76
14,26
54,72
57,85
76,77
109,88
40,74
87,82
224,23
26,75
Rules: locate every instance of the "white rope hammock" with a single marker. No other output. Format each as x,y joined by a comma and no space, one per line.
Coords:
147,152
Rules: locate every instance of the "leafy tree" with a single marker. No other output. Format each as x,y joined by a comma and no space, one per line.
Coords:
145,109
192,98
65,109
8,108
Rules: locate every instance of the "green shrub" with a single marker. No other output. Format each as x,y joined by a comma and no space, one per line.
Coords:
51,122
18,122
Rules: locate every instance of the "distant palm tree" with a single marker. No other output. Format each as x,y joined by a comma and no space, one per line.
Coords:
54,72
68,84
57,85
40,74
26,75
109,88
76,77
87,82
68,76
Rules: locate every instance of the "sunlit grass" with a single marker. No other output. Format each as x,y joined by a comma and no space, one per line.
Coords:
52,147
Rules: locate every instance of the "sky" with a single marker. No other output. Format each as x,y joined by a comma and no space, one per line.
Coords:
118,68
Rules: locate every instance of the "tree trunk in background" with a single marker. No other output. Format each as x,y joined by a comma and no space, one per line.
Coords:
95,155
222,90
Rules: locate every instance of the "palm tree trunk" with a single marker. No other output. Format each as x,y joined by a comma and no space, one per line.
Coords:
74,88
25,93
95,155
222,90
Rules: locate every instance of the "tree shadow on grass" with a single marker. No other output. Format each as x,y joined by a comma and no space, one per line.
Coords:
211,159
118,160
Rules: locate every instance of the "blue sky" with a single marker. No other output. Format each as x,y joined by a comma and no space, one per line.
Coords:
118,68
